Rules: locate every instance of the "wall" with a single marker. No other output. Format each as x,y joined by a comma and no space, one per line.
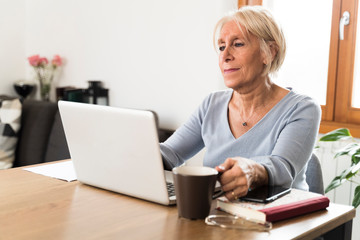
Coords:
151,54
12,44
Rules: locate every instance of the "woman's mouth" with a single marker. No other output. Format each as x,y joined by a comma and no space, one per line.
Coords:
230,70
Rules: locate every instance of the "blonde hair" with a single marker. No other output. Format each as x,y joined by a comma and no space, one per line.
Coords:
259,22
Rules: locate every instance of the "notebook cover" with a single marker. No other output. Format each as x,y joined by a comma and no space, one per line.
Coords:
296,203
295,209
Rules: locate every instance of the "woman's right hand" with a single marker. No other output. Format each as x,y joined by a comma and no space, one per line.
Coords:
240,174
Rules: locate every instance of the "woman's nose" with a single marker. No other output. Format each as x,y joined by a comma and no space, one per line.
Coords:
227,55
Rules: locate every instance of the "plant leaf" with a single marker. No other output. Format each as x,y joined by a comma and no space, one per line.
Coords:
356,200
350,149
345,175
337,181
355,158
338,134
352,171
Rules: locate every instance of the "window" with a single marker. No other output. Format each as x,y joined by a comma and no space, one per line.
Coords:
331,65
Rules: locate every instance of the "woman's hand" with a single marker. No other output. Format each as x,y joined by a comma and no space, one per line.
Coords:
240,174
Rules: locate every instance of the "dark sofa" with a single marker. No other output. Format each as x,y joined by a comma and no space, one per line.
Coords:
41,137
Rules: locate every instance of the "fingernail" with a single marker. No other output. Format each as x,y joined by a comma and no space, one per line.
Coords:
221,167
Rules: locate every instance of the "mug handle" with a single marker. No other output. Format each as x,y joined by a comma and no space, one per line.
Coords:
218,194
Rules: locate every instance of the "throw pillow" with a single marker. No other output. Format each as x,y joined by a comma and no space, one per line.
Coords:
10,119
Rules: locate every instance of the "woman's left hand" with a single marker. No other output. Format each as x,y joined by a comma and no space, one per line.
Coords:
239,174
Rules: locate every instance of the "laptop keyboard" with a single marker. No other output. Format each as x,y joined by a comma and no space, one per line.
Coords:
171,189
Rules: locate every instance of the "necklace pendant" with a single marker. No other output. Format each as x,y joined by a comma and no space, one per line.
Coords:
244,124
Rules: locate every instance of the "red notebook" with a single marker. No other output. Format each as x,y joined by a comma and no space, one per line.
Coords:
296,203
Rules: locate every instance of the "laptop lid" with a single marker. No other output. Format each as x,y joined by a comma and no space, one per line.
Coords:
115,149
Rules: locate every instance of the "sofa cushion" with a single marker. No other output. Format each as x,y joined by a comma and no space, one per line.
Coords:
10,115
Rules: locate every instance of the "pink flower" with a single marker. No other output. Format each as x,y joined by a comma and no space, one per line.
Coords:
56,61
37,61
43,61
34,60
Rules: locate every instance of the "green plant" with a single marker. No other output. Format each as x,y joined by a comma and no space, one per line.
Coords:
353,151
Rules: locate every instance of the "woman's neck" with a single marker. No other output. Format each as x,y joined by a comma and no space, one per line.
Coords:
247,101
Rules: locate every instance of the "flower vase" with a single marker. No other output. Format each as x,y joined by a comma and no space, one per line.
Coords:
45,87
45,73
45,91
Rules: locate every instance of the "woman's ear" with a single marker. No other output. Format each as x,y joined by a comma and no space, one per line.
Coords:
273,49
270,52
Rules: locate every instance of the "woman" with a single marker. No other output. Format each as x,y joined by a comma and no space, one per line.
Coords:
256,132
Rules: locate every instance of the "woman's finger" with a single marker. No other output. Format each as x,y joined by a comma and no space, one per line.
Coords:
236,193
228,164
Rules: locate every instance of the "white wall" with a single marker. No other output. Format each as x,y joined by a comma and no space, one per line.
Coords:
12,44
151,54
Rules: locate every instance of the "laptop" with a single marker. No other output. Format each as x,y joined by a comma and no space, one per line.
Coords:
116,149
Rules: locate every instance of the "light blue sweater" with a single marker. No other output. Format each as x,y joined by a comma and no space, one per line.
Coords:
282,141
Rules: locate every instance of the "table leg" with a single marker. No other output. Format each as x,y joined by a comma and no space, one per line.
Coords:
341,232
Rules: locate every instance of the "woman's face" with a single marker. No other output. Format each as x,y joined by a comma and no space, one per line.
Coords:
241,61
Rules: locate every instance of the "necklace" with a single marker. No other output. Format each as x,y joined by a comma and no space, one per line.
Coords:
267,100
245,123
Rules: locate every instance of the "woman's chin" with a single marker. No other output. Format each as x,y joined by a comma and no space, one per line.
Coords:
232,84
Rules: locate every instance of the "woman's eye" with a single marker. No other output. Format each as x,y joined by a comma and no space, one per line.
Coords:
221,48
238,44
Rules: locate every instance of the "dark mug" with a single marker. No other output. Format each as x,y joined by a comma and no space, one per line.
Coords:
194,189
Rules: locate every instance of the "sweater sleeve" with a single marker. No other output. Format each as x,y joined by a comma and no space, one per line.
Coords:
186,140
294,145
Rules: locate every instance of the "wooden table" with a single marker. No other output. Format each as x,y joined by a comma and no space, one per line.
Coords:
33,206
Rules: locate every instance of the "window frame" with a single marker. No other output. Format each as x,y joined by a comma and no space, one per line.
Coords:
338,111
